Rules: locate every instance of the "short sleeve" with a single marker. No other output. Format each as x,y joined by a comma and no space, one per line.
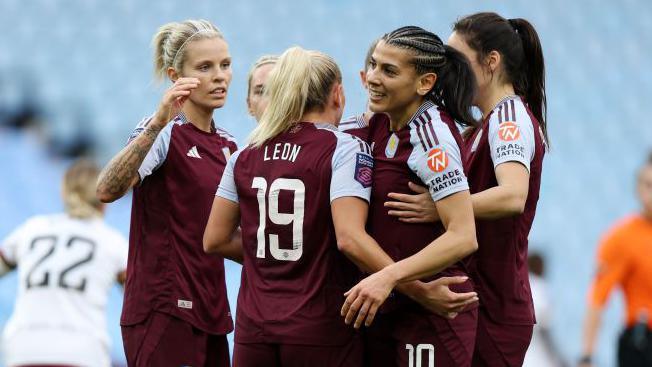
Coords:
511,135
227,188
352,168
157,153
612,264
439,166
139,129
11,243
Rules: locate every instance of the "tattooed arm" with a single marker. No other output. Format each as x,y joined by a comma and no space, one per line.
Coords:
122,171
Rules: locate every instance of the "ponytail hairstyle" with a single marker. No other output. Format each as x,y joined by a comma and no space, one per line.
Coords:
172,39
518,44
455,86
301,82
263,60
78,191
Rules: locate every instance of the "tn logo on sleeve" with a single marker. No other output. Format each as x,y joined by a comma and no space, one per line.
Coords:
437,160
508,131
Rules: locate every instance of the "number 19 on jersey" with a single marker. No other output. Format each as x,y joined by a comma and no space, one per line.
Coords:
295,218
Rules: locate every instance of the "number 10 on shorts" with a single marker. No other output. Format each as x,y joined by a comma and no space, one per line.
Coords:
420,350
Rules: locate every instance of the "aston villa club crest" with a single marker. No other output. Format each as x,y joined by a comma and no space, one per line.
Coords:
392,146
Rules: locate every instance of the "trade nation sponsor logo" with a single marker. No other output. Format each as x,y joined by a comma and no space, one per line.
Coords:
437,160
508,131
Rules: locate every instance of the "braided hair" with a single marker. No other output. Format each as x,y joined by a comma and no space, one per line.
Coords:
455,87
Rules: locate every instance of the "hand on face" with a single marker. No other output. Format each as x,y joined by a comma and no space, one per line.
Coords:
209,61
173,100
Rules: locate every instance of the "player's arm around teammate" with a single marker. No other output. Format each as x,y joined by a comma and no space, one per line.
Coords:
399,89
494,69
435,295
283,189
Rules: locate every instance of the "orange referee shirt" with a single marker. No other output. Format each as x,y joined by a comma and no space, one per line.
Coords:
625,260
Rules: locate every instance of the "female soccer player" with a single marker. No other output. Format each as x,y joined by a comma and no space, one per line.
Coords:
421,87
285,190
256,82
67,264
175,308
504,167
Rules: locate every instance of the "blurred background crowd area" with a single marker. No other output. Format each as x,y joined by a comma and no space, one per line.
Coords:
76,77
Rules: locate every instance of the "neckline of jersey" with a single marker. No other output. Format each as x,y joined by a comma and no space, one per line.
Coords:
184,121
425,106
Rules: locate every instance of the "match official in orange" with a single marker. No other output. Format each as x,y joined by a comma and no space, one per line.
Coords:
625,260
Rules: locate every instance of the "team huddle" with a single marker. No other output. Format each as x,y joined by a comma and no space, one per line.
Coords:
397,237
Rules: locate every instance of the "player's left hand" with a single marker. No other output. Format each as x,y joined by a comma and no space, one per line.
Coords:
417,208
366,297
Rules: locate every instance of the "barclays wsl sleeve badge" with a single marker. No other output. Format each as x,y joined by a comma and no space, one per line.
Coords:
364,166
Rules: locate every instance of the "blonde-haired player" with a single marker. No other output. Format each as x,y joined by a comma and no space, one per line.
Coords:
67,264
175,310
286,191
256,81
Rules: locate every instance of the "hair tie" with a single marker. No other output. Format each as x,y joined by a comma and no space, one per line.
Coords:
512,22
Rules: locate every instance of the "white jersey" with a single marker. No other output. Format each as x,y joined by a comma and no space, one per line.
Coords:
66,268
538,354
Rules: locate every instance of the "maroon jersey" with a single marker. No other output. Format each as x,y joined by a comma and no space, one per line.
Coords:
294,277
427,152
508,134
167,269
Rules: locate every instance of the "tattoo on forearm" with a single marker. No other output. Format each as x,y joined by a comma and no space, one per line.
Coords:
118,175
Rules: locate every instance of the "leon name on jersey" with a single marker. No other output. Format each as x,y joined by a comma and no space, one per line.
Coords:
283,151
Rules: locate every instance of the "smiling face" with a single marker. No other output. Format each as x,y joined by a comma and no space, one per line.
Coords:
394,85
209,61
391,79
256,101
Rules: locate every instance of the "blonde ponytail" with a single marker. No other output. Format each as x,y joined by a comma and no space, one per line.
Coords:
300,82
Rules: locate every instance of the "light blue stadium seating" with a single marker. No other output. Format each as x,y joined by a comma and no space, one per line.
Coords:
87,63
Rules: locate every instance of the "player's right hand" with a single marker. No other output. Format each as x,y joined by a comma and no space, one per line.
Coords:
438,298
173,100
413,208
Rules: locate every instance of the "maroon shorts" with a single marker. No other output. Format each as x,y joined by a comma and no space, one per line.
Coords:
379,343
500,345
419,339
164,340
290,355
